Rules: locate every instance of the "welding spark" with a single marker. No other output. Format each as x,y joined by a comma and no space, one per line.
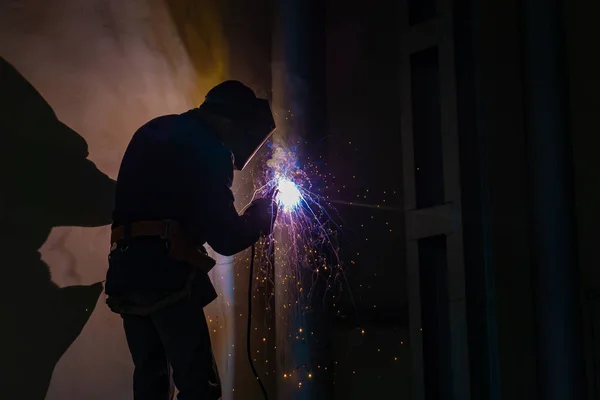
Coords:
301,258
288,195
305,239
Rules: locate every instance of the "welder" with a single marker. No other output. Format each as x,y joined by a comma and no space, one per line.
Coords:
174,195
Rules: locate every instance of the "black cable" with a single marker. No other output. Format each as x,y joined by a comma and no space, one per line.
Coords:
249,326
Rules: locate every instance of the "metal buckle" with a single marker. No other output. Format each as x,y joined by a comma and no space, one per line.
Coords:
167,230
166,235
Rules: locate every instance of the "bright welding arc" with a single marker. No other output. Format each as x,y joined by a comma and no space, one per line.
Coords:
288,196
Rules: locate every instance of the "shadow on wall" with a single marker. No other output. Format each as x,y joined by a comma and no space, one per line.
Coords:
47,181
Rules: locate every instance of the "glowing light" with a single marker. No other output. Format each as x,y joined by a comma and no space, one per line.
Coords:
305,242
307,223
288,194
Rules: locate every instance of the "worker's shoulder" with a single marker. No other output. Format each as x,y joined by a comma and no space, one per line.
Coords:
162,122
171,128
186,132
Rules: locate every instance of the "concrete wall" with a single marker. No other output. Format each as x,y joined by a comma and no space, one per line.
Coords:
105,67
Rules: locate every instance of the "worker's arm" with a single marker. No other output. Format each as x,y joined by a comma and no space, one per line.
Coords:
209,176
228,232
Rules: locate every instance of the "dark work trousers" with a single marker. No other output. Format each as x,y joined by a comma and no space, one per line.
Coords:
177,335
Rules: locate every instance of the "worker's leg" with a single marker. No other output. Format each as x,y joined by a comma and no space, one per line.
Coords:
151,379
184,333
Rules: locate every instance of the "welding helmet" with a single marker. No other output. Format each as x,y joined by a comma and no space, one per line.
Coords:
246,121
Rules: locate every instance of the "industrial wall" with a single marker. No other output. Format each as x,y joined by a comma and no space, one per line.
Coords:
364,156
97,70
505,254
584,86
506,360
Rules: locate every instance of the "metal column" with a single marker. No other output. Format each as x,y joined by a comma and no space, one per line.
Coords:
560,359
303,364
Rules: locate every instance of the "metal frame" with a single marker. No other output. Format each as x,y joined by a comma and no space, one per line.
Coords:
444,219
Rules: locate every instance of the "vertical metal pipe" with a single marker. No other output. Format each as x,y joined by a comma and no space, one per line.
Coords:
303,366
481,319
560,359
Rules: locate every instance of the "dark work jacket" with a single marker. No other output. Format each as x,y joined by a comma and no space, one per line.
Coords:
175,168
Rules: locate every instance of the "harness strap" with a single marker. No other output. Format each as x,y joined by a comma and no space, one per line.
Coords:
181,248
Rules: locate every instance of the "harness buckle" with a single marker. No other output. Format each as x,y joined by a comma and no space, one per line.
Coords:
167,232
166,236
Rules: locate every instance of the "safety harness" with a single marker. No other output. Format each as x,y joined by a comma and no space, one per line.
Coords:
181,248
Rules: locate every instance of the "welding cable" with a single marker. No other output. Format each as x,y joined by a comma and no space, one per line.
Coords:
249,325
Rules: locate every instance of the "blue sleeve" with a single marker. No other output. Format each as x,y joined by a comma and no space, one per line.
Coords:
210,212
227,232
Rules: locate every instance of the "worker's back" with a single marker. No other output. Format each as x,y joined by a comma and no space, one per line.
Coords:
169,161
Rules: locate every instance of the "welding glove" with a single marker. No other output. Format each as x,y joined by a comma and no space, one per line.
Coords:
263,213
